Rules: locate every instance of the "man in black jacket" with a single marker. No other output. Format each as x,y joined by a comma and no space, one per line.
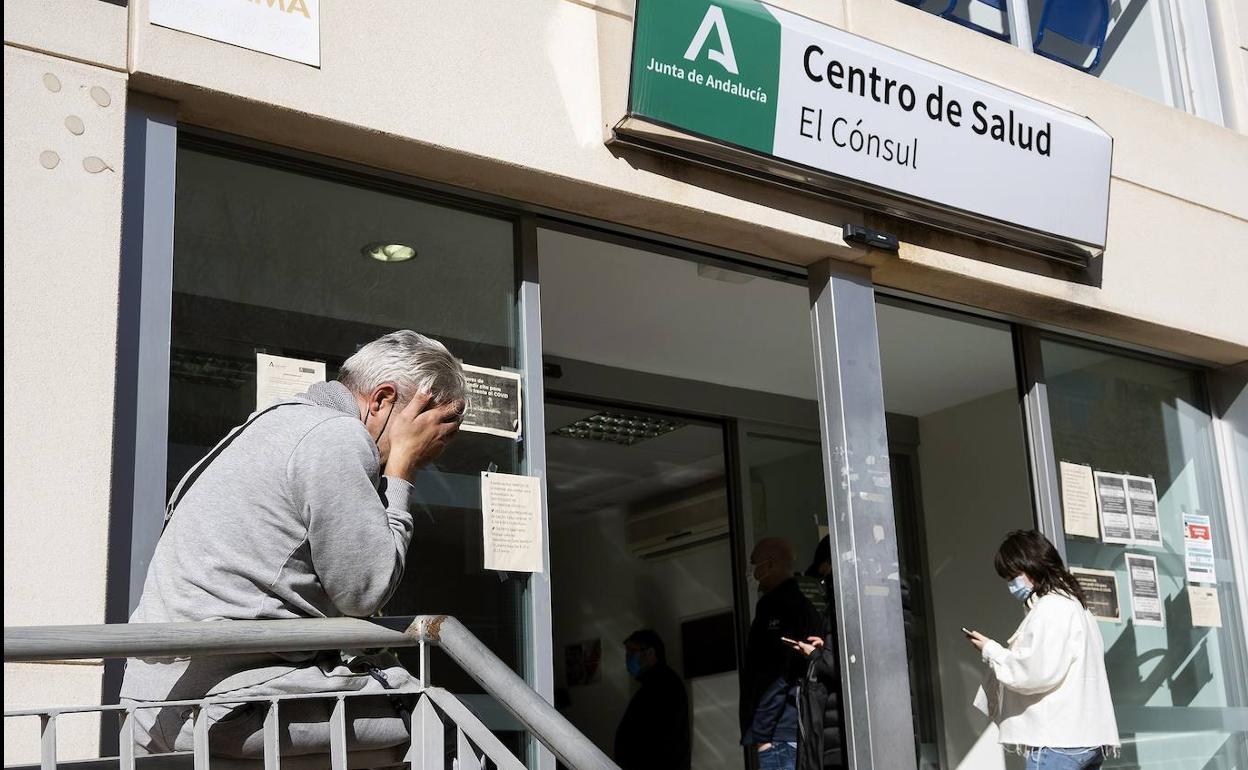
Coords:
654,733
772,672
821,745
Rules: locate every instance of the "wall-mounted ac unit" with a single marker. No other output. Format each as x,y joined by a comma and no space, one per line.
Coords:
677,526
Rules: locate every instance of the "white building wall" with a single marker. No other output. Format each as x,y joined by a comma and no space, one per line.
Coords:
61,260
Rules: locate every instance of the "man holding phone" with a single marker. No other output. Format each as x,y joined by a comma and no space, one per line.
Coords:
772,673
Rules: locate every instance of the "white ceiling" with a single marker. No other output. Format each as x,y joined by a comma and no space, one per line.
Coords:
932,362
617,306
261,236
589,476
608,304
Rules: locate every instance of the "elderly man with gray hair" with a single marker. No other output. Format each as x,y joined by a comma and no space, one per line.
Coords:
303,511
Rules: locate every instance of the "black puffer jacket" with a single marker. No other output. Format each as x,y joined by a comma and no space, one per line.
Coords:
821,742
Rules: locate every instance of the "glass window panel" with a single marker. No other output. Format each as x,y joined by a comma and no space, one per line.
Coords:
989,17
1179,689
1130,43
960,483
273,260
1138,49
787,499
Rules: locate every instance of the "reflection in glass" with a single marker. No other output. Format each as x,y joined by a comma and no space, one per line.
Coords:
1179,690
275,261
960,484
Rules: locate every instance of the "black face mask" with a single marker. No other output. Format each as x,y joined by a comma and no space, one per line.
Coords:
384,425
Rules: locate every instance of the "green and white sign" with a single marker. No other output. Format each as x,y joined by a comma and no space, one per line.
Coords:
882,127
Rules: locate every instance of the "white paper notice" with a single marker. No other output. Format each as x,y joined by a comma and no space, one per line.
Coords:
1142,502
278,377
511,507
1198,549
1145,590
290,29
1079,500
1206,611
1111,500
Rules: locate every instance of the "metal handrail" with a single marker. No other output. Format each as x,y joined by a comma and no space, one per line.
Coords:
228,637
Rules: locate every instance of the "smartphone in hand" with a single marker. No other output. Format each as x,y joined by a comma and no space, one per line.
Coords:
969,634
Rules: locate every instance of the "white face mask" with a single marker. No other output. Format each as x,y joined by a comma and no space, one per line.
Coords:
1020,588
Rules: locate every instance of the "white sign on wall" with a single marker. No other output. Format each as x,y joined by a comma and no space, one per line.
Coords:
290,29
801,100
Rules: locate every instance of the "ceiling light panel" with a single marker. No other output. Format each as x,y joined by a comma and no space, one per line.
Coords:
617,428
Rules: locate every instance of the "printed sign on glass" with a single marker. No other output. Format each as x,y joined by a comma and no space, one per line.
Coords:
1198,549
1078,500
1145,590
1206,609
278,378
1100,588
1142,501
511,510
1111,501
493,402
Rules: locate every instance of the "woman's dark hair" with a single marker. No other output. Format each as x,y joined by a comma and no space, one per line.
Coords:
1027,552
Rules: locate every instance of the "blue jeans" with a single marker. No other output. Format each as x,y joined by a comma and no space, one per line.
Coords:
781,756
1048,758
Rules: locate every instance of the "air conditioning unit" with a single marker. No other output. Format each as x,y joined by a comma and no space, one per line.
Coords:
677,526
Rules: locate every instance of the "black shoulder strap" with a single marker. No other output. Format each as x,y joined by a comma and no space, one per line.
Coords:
189,479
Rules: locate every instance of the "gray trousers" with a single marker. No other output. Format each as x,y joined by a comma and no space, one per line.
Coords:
373,722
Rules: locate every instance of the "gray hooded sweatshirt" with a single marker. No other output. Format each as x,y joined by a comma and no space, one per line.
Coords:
291,520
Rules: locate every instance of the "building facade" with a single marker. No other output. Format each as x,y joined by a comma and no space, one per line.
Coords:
706,350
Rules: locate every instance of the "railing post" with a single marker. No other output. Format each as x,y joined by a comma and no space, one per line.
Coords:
338,735
125,741
426,752
424,663
272,742
465,755
47,741
200,745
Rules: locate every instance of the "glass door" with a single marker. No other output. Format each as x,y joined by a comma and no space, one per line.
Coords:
641,555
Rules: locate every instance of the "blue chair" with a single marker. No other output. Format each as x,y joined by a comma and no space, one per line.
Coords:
998,4
1080,21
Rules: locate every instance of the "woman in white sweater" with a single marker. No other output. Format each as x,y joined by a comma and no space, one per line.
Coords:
1046,687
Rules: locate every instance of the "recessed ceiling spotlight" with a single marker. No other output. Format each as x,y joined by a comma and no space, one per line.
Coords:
389,252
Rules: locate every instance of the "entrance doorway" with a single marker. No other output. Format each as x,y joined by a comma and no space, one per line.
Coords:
639,539
681,422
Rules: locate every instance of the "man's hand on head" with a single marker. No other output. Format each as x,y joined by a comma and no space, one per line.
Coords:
419,433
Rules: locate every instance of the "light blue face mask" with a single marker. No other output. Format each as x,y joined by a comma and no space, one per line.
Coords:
632,661
1019,589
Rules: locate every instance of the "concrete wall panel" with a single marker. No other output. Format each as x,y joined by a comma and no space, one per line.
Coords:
91,31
